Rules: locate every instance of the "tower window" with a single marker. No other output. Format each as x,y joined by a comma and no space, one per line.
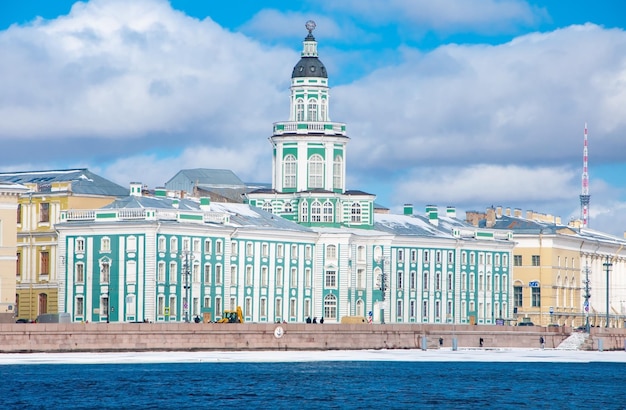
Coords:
312,110
289,172
337,172
300,110
316,171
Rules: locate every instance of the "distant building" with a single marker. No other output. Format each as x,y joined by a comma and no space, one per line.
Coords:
9,194
552,263
38,210
220,185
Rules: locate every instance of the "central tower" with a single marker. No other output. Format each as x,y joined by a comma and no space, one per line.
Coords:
309,155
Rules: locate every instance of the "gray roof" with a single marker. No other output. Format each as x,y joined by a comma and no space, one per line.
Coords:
83,181
207,178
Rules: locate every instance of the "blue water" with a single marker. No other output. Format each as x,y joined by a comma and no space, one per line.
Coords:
309,385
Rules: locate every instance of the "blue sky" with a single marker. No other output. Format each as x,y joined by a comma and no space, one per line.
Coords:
470,103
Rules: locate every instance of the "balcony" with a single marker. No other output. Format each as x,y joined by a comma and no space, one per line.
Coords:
325,128
147,214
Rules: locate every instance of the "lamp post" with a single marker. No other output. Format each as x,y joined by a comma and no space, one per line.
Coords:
587,295
383,287
607,265
185,258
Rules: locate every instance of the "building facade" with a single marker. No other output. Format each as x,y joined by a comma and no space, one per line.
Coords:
563,274
307,248
38,210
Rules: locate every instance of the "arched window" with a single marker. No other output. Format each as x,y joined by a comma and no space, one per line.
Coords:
312,110
304,212
267,206
355,212
330,307
287,208
323,116
316,211
328,211
360,311
299,109
316,171
289,171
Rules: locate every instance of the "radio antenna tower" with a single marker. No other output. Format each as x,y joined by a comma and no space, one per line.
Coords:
584,196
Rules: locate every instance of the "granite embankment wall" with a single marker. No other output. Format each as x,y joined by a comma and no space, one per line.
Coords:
107,337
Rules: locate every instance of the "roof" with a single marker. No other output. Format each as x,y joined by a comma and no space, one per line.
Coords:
82,181
309,67
209,178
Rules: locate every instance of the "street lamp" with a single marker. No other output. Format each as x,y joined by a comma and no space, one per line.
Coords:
607,265
185,257
587,295
382,286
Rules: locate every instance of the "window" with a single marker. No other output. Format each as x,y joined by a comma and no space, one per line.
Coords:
195,275
360,278
438,281
279,276
331,278
18,265
233,275
304,212
19,213
279,250
412,309
218,306
278,311
289,172
44,212
299,109
105,272
517,260
218,247
505,284
505,260
267,207
425,281
312,110
44,263
308,252
79,273
328,212
412,280
172,307
535,294
464,258
173,272
399,280
449,281
426,256
450,257
263,308
517,296
161,272
207,302
330,307
536,260
80,245
323,110
79,308
355,213
438,256
413,255
218,274
294,251
247,310
316,211
307,277
425,310
399,309
264,276
472,258
207,274
249,249
293,279
292,309
438,309
471,282
186,244
264,250
360,253
105,245
400,255
248,275
131,244
463,281
316,171
288,208
497,260
331,252
162,244
207,246
43,303
337,172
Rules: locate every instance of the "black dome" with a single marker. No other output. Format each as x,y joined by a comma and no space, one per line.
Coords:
309,67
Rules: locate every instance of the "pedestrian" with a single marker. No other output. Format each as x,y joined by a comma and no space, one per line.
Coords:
481,341
308,319
541,341
321,320
441,341
315,320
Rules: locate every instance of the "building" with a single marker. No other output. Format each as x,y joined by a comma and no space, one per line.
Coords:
555,266
306,248
38,210
9,194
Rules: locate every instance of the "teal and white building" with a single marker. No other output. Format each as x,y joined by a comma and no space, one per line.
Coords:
307,247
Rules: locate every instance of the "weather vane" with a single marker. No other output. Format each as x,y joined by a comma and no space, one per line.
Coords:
310,25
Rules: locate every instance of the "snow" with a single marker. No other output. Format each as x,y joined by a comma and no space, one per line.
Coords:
436,355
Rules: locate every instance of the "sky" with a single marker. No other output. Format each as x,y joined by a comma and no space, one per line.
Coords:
465,103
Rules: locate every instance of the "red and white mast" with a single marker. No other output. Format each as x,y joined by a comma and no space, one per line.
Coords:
584,196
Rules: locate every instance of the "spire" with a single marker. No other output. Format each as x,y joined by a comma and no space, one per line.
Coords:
584,196
310,45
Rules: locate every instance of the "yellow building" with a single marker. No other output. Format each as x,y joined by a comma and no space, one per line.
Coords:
38,210
556,266
9,194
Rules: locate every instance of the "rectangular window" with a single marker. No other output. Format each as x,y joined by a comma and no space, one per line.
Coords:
80,245
279,251
425,309
293,280
360,278
248,275
80,306
233,275
307,252
400,255
19,213
450,257
413,255
412,308
536,297
207,246
218,306
265,250
218,274
331,279
80,273
279,276
161,305
248,307
263,307
173,309
292,309
173,272
207,302
517,296
105,245
426,256
464,258
207,274
307,277
44,268
438,256
517,260
536,260
399,280
399,309
278,311
294,251
218,247
249,249
44,212
18,264
264,276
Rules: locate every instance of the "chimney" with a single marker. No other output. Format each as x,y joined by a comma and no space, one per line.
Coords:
490,219
175,203
135,188
408,209
451,212
432,215
507,211
517,213
205,203
160,192
498,211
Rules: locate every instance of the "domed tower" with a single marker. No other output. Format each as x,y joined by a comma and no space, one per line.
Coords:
309,156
